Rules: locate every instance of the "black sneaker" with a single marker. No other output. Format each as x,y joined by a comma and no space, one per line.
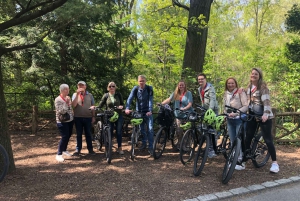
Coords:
150,152
76,153
143,147
92,153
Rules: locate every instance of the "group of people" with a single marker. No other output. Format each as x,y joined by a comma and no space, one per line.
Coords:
255,97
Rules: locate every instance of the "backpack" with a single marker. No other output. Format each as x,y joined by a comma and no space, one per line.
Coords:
119,96
148,88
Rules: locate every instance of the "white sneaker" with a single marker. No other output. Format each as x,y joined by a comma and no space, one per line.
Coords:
67,153
242,166
274,168
59,158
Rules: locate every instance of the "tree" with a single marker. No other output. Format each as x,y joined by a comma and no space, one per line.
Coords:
197,31
16,14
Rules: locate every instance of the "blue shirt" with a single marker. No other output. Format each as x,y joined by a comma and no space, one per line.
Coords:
144,101
186,99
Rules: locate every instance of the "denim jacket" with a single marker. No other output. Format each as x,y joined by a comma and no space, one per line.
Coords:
144,101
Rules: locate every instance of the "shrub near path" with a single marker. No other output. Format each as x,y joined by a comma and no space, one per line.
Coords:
40,177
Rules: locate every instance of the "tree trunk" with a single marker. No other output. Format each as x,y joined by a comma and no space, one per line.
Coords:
4,135
196,37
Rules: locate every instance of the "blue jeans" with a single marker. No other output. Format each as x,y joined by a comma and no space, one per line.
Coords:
85,124
119,124
147,120
65,130
233,126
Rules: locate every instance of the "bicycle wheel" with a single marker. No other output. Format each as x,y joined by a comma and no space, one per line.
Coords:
187,147
225,145
231,161
160,142
260,151
98,136
134,139
108,144
201,155
4,162
173,135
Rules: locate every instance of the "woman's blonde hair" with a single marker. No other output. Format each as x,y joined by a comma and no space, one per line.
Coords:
110,84
177,91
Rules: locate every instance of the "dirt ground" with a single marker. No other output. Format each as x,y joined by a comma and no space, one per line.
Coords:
40,177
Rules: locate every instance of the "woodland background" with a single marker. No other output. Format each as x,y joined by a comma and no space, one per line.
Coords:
99,41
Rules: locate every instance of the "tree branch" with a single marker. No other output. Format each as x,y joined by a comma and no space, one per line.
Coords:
33,15
18,2
176,3
27,9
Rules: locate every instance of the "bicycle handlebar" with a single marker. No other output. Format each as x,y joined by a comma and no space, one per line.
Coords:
249,116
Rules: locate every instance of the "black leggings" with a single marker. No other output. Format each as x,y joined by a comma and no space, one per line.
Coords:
265,127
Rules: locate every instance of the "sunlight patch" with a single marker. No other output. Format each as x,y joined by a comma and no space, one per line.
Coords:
65,196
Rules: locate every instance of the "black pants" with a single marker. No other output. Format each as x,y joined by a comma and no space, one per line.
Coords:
266,128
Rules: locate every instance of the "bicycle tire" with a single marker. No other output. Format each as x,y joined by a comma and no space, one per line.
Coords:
173,135
98,135
260,151
108,145
187,147
225,145
160,142
133,142
231,161
4,163
201,155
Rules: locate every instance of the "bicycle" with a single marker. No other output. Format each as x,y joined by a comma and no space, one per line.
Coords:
136,121
207,129
166,132
258,151
103,131
4,163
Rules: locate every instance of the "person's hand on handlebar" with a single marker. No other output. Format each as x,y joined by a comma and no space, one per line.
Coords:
127,111
92,108
264,118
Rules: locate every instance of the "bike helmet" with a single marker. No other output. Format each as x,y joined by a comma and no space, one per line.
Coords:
114,118
136,122
219,122
209,117
186,126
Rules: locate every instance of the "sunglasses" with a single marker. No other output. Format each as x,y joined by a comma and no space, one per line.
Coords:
111,86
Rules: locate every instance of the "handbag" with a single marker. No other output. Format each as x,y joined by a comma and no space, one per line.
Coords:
257,109
64,117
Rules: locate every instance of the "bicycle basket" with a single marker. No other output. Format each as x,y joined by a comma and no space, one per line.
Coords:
137,115
164,117
193,117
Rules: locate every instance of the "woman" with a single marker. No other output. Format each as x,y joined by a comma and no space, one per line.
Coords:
114,99
259,102
238,101
63,106
183,100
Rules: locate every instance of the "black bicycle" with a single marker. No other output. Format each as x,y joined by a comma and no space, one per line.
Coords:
219,146
4,162
191,137
166,132
258,151
103,132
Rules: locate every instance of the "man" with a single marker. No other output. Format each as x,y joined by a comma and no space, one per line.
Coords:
144,104
208,100
82,100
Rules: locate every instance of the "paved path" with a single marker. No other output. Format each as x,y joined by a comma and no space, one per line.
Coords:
282,189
